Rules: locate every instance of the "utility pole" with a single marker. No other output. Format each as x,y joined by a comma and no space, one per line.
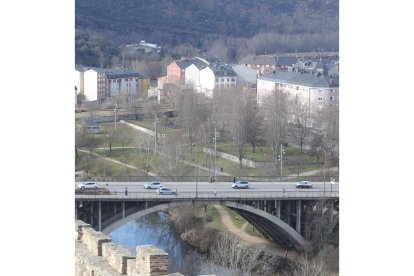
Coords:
196,162
215,150
156,134
324,171
116,106
280,158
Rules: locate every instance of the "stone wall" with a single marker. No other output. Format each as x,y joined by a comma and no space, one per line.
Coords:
96,255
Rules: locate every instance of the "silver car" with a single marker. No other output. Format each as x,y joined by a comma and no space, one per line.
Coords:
166,191
153,185
88,185
240,184
304,184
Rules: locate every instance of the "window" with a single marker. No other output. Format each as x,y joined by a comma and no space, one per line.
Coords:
233,79
228,79
320,99
217,79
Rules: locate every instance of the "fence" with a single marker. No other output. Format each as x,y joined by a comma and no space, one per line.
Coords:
214,195
136,178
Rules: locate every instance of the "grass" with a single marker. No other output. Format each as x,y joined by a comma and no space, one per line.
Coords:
294,160
215,218
99,167
237,220
161,127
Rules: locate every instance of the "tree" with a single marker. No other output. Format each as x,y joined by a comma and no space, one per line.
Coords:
254,125
306,267
110,135
300,126
328,122
276,118
319,214
238,121
238,257
192,113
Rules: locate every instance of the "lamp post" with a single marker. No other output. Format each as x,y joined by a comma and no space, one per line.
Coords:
107,137
196,163
116,106
324,171
280,158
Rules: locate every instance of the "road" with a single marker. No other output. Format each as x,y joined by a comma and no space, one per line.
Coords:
218,187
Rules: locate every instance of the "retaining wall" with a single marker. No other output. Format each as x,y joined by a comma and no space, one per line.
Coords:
96,255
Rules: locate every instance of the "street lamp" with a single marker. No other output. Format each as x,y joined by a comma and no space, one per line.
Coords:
196,163
324,171
280,158
116,106
107,137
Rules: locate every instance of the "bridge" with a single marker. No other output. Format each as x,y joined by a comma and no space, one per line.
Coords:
279,211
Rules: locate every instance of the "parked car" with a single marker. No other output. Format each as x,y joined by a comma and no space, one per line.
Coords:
240,184
88,185
166,191
153,185
303,184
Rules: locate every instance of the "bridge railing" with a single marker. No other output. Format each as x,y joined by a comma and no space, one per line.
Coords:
166,178
212,195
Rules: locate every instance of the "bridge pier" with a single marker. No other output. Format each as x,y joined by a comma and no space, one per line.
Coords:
287,212
91,213
99,216
298,215
123,209
76,209
277,206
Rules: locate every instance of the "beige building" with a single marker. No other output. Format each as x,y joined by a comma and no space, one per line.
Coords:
315,90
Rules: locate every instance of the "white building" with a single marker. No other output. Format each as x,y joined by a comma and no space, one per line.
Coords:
100,84
94,83
314,90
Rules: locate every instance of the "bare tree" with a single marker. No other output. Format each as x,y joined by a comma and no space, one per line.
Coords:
300,126
238,257
275,109
110,135
306,267
328,122
254,125
172,153
192,113
320,215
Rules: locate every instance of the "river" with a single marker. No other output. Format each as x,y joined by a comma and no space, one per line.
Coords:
156,229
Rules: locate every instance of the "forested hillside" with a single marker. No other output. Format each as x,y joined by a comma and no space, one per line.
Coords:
272,25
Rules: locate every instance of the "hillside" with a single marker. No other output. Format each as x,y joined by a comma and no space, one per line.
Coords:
186,21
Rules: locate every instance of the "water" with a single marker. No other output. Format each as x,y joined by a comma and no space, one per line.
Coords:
156,229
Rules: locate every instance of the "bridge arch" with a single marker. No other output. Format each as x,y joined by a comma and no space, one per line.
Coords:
273,223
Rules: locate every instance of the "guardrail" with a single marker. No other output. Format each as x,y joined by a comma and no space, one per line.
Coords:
211,195
132,178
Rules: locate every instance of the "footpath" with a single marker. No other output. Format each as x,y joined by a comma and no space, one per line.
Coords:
269,247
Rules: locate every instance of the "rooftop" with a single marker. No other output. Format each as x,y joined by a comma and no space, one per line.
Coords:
297,78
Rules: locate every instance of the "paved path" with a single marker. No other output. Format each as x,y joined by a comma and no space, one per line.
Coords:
308,173
269,247
115,161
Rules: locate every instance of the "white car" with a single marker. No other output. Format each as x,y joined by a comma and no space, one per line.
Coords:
153,185
240,184
304,184
88,185
166,191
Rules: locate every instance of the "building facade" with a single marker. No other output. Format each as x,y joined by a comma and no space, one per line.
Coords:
100,84
314,90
